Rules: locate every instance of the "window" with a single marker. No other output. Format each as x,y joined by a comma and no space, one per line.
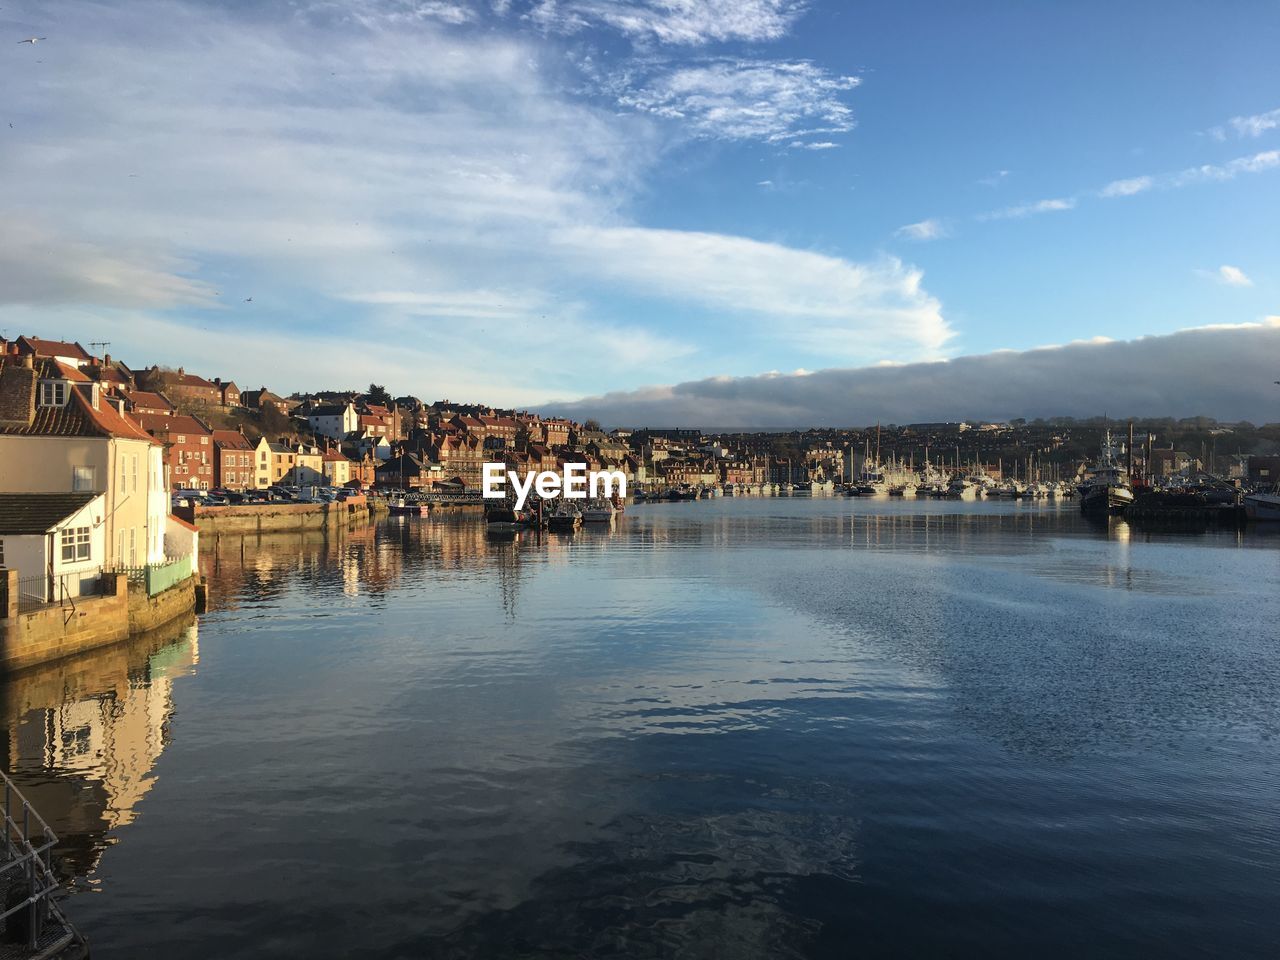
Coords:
133,546
134,467
204,441
53,393
1,553
182,438
83,479
75,544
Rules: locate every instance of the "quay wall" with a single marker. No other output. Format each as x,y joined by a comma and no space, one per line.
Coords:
149,613
57,631
53,632
277,516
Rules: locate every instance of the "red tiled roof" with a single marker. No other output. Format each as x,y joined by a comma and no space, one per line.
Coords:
335,456
191,380
144,398
231,440
77,418
167,423
55,348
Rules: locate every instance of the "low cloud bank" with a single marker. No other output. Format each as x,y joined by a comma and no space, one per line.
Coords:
1228,372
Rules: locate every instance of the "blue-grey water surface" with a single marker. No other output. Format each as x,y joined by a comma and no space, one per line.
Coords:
781,727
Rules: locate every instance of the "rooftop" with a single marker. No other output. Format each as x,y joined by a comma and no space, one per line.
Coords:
36,513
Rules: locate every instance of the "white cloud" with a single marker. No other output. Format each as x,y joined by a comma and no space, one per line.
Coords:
1126,188
924,230
728,99
378,176
852,310
1233,276
1216,172
687,22
1250,126
1030,209
995,179
1176,375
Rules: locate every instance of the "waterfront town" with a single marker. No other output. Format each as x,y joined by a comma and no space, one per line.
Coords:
110,472
86,432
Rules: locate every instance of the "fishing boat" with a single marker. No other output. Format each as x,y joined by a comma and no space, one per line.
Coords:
962,488
1263,506
683,492
1106,489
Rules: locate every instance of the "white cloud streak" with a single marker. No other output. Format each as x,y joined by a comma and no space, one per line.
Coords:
1126,188
923,230
773,101
1030,209
1233,276
684,22
1251,126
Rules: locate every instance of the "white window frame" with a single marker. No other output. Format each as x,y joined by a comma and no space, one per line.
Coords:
53,393
76,544
84,479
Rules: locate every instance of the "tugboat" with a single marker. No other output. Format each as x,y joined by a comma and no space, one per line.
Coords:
1106,490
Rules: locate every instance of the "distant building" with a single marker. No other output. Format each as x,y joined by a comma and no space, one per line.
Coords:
189,452
337,467
143,401
233,466
262,398
1263,471
334,420
71,354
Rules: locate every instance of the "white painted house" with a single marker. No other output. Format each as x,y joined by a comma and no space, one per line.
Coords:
56,541
334,420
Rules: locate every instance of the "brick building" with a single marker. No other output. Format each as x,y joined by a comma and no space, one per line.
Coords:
233,461
188,453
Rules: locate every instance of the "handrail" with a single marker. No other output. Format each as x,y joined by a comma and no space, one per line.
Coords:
20,853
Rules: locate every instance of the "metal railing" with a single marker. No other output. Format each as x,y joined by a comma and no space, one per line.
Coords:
57,590
25,867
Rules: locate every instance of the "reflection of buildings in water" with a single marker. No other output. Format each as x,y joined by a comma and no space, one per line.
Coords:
362,561
83,735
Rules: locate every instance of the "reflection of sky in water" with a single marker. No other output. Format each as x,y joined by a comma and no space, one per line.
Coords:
759,727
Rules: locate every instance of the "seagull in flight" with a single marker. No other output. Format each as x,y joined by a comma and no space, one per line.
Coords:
248,299
33,40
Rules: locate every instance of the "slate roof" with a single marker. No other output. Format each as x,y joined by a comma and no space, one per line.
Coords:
35,513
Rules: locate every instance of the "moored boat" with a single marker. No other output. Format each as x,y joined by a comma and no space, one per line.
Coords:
1263,506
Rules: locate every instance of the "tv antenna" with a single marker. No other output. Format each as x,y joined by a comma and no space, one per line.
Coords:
99,343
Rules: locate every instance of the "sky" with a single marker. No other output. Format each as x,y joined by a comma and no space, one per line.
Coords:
587,205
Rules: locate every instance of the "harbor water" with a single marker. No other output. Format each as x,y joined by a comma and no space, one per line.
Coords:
762,727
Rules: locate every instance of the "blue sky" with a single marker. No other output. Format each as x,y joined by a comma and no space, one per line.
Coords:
523,201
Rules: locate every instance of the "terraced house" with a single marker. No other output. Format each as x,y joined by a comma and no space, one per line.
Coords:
60,434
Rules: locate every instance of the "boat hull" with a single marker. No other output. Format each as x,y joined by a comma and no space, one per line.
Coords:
1262,506
1102,500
